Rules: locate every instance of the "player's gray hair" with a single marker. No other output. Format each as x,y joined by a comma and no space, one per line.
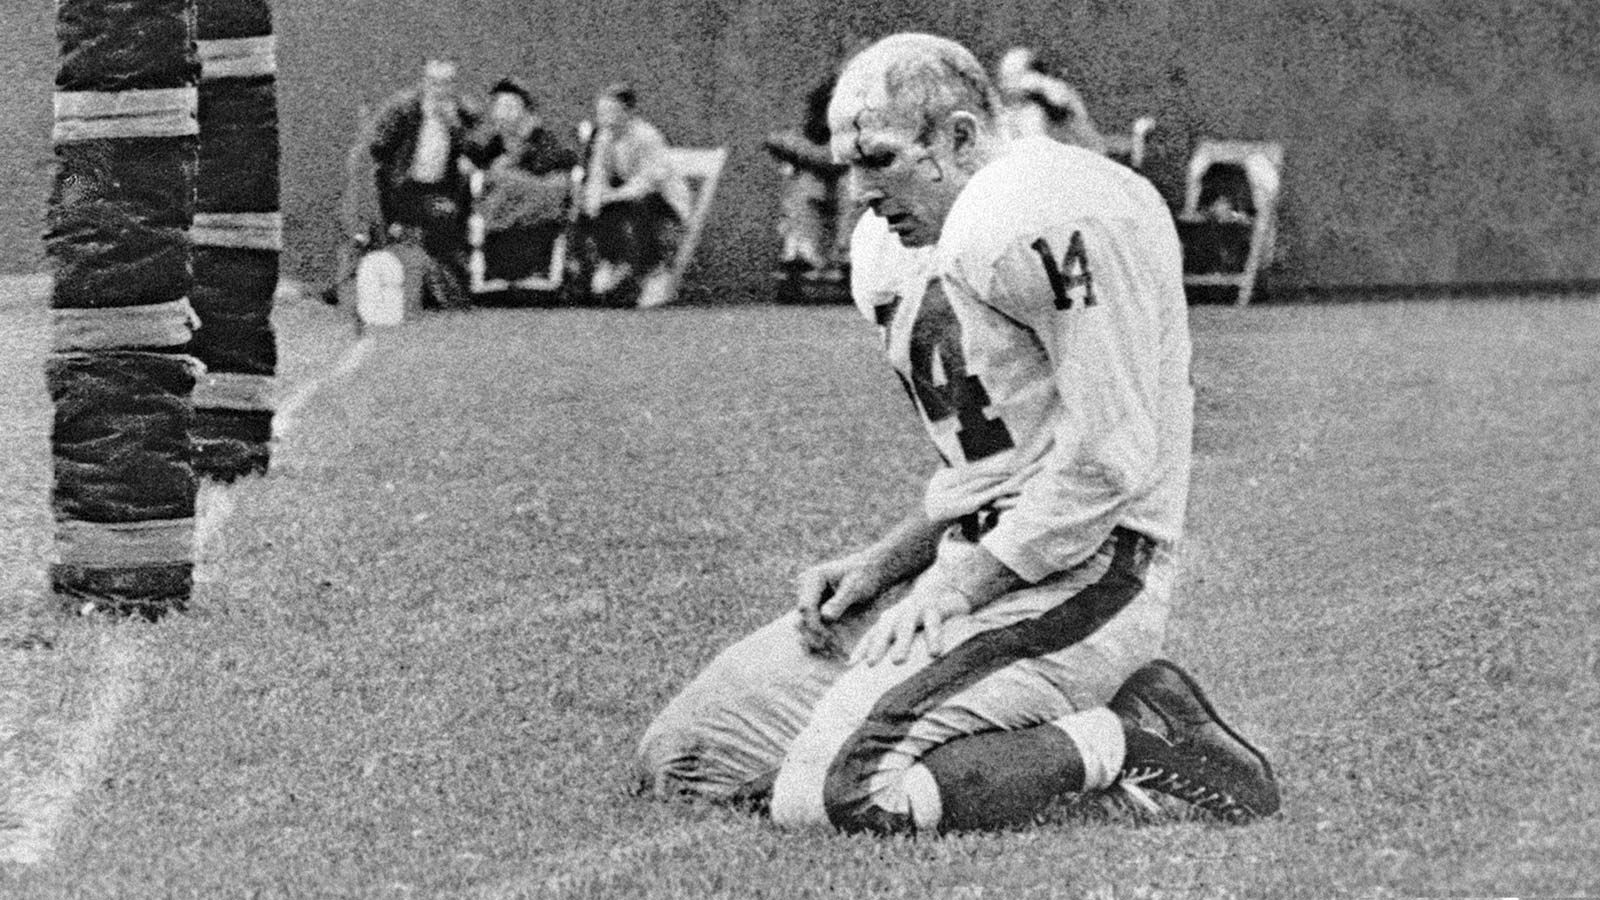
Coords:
924,74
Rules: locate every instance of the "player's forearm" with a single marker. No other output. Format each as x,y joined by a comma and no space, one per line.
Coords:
905,550
982,578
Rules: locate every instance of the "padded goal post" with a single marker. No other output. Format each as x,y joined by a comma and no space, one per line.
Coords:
118,238
238,236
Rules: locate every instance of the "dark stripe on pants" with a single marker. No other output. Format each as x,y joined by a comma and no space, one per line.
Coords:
844,789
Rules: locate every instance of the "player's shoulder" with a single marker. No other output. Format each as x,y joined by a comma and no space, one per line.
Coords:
1041,177
1007,198
1038,185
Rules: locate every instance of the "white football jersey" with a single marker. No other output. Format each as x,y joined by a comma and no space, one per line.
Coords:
1045,341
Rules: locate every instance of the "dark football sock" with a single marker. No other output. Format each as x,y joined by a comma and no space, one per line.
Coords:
1003,778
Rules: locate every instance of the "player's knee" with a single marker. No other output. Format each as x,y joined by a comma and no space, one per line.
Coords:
685,760
670,764
694,749
723,736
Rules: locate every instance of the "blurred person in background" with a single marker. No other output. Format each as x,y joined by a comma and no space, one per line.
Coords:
1038,102
527,184
632,199
419,138
814,238
815,215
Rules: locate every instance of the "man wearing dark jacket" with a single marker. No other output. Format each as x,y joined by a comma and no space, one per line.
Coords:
419,138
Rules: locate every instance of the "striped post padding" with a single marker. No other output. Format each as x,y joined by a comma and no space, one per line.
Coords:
117,234
238,233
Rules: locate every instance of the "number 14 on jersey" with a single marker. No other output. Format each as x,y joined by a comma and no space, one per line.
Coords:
1070,279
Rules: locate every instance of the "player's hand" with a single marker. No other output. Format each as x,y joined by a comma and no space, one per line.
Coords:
925,609
824,593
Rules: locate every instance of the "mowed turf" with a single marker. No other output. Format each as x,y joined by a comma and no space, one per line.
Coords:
424,647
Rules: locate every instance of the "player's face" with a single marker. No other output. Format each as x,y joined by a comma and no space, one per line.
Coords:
910,182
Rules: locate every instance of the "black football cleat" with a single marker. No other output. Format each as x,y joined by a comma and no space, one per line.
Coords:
1178,745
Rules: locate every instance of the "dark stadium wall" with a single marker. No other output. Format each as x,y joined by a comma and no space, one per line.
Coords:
1428,141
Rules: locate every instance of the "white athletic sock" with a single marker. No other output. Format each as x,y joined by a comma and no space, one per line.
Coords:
1097,733
922,796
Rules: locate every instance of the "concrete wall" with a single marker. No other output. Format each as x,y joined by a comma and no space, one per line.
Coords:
1428,141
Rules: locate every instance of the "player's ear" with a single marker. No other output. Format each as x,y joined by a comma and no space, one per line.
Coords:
963,134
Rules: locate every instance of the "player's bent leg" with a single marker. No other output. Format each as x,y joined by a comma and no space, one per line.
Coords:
995,729
723,737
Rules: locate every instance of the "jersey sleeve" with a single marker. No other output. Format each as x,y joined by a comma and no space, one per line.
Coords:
1086,296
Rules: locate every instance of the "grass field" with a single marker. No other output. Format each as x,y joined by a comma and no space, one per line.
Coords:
423,647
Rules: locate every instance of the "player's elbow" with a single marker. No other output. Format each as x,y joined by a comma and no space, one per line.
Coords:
1125,464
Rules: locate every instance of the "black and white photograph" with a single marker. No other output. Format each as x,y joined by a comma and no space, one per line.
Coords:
1081,449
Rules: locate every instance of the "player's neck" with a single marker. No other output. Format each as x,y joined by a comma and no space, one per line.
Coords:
988,148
